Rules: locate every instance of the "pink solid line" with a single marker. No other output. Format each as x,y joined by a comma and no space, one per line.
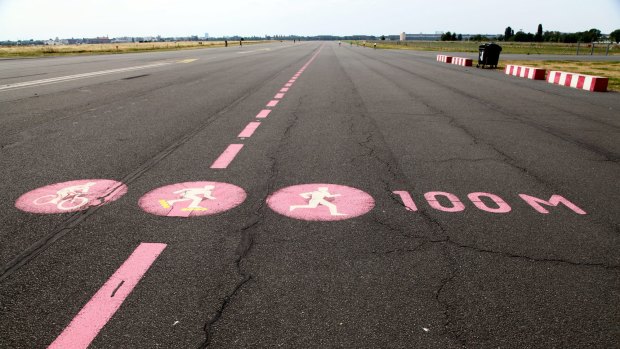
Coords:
227,156
284,89
248,131
102,306
263,113
279,96
272,103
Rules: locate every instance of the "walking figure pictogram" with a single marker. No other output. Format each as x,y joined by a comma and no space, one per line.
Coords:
195,195
317,198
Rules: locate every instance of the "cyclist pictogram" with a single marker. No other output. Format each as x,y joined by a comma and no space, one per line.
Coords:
71,196
68,198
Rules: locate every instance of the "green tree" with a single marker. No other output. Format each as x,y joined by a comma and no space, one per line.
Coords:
615,36
590,35
539,34
508,33
460,37
522,36
446,36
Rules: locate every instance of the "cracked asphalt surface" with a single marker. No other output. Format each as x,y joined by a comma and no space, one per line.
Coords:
376,120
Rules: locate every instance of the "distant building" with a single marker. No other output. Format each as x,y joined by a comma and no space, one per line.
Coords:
123,39
56,42
98,40
403,36
206,35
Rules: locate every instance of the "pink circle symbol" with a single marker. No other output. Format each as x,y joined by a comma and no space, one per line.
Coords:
192,199
71,196
320,202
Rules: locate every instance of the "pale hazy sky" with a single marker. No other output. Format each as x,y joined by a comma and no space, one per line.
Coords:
44,19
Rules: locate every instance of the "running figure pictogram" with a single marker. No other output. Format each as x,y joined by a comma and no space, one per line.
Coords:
317,198
195,195
68,198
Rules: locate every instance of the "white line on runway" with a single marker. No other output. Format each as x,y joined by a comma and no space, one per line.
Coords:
77,76
262,49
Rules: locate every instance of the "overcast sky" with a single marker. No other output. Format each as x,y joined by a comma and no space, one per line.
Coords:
44,19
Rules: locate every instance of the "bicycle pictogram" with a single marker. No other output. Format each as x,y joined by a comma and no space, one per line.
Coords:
71,196
66,199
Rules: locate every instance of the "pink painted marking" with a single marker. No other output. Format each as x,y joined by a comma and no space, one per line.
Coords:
279,96
102,306
284,89
263,113
407,200
320,202
502,206
291,81
555,200
272,103
71,196
288,84
191,199
248,131
227,156
457,205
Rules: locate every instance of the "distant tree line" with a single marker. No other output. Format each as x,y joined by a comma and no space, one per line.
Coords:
587,36
448,36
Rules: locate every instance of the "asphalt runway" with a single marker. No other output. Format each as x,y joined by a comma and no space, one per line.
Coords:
304,195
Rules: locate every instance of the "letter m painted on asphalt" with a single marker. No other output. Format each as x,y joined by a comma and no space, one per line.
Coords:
555,200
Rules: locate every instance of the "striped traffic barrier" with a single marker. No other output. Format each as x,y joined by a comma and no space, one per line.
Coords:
466,62
526,72
444,58
579,81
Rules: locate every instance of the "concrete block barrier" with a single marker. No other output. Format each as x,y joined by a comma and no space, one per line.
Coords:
526,72
466,62
579,81
444,58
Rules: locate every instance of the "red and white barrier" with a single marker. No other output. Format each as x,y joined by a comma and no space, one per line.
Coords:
526,72
444,58
466,62
580,81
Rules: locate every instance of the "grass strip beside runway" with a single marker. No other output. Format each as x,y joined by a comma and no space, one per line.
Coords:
113,48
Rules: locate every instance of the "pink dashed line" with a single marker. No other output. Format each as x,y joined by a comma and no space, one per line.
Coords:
227,156
97,312
284,89
279,96
248,131
263,113
288,84
272,103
